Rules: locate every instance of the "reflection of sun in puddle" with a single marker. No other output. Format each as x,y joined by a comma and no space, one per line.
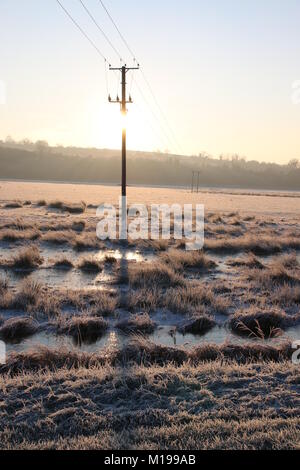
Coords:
127,255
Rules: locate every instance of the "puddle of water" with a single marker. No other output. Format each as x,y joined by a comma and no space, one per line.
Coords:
109,341
129,255
165,335
61,279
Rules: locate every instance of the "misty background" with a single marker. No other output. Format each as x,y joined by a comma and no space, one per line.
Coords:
38,161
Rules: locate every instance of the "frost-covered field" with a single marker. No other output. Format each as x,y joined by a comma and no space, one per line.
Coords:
144,336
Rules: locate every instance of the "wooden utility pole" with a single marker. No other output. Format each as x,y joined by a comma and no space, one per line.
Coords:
123,104
198,181
198,178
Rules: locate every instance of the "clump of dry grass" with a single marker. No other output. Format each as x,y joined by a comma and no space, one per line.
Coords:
58,238
236,222
3,284
194,298
90,265
27,258
63,263
275,275
142,351
5,295
109,259
27,295
159,245
35,299
13,205
87,242
228,230
198,324
152,275
55,205
179,260
103,303
83,328
66,207
260,323
216,219
78,225
97,302
17,224
16,329
242,353
41,203
139,323
11,235
249,260
145,299
43,358
75,208
260,245
287,260
233,214
286,295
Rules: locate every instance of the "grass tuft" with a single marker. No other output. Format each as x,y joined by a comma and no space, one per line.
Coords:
259,323
13,205
63,263
67,207
179,260
58,237
16,329
27,296
139,323
198,325
90,265
27,258
152,275
84,328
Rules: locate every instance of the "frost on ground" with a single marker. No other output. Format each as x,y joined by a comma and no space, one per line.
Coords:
109,311
214,405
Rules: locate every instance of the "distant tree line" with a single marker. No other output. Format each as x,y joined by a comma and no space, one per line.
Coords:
39,161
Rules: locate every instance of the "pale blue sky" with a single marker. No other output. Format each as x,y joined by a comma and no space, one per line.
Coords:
222,71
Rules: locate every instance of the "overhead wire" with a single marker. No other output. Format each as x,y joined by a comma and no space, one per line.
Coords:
101,30
152,112
82,31
144,77
118,29
107,62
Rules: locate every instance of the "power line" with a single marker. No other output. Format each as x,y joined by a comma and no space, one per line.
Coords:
116,51
118,30
151,126
152,112
101,30
82,31
161,111
144,77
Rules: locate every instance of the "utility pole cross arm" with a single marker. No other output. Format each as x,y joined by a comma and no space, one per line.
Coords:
123,102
